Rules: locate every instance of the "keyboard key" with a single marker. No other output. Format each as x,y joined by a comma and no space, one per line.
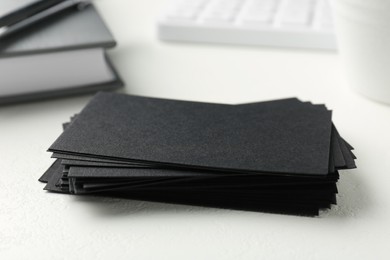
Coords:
257,18
219,17
222,11
265,5
226,5
193,3
298,12
325,16
296,18
186,10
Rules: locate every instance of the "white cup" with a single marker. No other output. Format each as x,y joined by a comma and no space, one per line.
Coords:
363,32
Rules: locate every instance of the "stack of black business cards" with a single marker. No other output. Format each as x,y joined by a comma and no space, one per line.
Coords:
279,156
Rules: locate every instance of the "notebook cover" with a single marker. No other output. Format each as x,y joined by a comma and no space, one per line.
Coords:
68,30
68,91
15,10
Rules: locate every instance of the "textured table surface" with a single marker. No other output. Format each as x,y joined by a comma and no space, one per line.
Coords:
39,225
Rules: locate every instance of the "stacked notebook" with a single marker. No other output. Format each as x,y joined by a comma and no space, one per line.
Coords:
61,55
279,156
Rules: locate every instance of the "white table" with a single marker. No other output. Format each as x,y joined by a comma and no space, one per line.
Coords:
38,225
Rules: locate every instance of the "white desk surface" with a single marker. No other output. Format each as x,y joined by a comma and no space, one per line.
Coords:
38,225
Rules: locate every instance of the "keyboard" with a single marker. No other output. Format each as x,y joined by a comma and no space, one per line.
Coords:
275,23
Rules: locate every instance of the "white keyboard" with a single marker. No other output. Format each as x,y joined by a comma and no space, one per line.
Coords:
278,23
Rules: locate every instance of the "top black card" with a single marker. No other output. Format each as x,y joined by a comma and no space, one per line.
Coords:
248,138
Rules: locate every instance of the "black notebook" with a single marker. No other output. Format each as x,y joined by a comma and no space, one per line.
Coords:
58,56
278,156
